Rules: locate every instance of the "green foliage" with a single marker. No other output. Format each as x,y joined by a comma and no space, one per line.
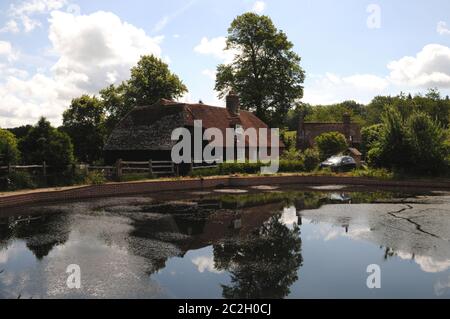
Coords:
266,72
416,145
9,151
17,180
330,144
370,135
378,173
136,177
151,80
311,159
45,143
95,178
292,155
84,122
289,139
21,131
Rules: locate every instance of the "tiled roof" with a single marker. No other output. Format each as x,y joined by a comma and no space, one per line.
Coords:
150,127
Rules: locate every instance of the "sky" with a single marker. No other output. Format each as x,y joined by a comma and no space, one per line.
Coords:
52,51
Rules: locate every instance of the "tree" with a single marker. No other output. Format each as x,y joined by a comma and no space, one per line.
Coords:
427,142
84,122
115,105
370,135
9,151
45,143
416,145
265,72
330,144
151,80
264,264
21,131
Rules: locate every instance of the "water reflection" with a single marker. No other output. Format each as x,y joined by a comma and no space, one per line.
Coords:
260,244
262,265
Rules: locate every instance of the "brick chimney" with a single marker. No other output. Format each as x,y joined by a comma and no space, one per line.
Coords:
233,103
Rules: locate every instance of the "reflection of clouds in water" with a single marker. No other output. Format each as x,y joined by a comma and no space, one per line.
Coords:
289,216
442,286
205,263
329,232
426,263
3,256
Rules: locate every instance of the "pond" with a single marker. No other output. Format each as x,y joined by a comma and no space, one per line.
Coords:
261,242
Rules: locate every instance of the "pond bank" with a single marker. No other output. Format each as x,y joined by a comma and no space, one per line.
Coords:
142,187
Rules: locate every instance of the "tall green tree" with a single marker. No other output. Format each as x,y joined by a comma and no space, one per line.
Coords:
46,143
9,151
84,122
265,72
150,81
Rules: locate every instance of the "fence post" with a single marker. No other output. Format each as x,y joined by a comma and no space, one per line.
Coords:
150,167
9,168
119,168
44,169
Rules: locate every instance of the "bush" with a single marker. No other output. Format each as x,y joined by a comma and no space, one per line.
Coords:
18,180
45,143
330,144
311,159
9,152
414,146
292,155
291,166
380,173
136,177
95,178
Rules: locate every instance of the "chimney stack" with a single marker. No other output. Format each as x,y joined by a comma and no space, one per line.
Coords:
233,103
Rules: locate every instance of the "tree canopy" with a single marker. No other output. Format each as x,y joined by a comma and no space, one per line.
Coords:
84,122
46,143
9,151
265,72
150,81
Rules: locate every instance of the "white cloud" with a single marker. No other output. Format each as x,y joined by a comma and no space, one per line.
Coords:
429,68
10,26
25,11
259,7
7,51
92,50
332,88
215,47
442,28
205,263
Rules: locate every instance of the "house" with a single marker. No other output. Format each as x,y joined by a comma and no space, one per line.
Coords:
307,132
146,132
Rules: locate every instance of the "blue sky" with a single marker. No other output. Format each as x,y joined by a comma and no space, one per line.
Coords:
54,50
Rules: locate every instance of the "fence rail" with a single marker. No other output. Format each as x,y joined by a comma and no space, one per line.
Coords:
164,168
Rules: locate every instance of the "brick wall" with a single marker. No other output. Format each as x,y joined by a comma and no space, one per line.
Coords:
124,189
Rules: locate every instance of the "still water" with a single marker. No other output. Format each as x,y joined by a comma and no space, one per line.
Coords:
260,242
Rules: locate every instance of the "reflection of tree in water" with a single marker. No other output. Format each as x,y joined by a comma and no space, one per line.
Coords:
263,265
42,233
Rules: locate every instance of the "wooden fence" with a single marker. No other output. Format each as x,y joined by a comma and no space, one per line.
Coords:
152,168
